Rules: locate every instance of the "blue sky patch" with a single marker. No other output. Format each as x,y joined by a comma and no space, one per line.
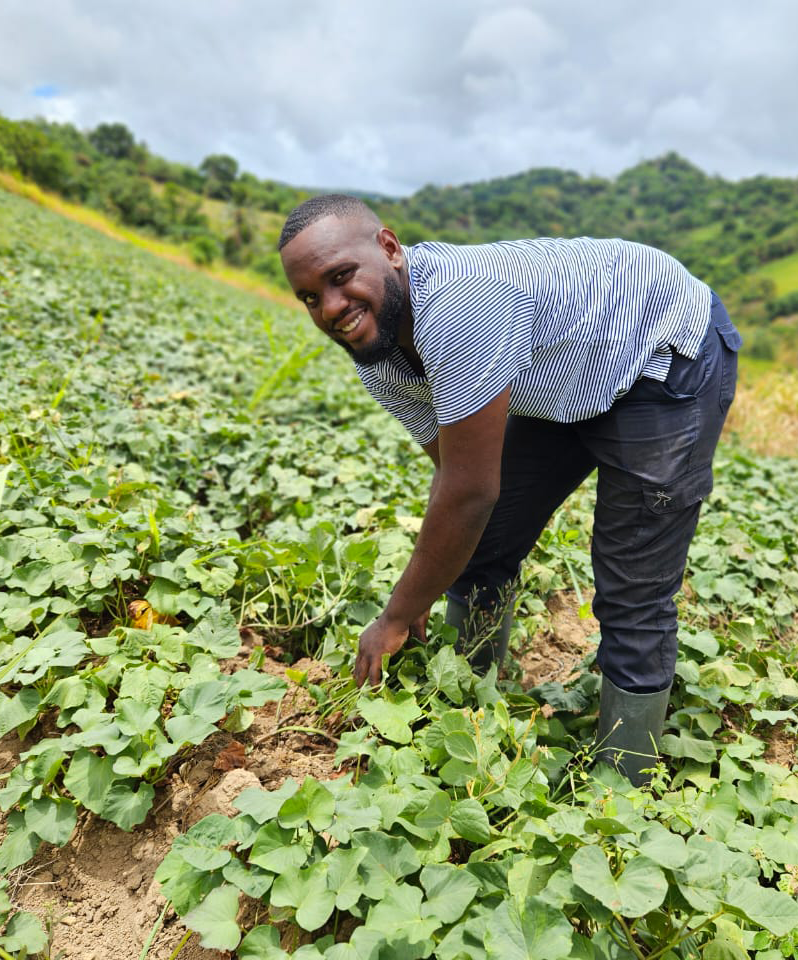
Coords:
46,91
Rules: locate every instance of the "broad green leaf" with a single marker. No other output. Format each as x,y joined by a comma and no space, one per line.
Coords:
312,803
771,909
252,689
250,880
640,888
449,891
780,847
470,821
215,919
24,932
716,813
203,846
189,729
389,859
536,931
205,701
686,745
134,718
443,671
398,916
354,811
436,811
722,949
262,805
663,847
183,884
461,746
308,891
19,709
275,850
147,684
261,943
89,779
127,766
343,877
126,806
217,632
52,820
391,718
19,845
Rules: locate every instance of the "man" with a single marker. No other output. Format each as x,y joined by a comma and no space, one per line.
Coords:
520,367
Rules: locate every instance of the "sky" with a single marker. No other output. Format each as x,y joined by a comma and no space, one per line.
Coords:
386,97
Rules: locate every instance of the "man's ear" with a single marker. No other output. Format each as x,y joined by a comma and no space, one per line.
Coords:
389,242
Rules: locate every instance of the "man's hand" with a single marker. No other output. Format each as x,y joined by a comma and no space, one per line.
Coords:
380,638
418,628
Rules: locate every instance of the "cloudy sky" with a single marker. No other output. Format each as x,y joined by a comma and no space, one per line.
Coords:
374,95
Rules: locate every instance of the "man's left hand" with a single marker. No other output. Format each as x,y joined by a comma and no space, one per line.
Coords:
380,638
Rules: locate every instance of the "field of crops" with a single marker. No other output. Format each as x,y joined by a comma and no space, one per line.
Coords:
200,508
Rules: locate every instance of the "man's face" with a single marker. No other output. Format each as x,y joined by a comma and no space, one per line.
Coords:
349,275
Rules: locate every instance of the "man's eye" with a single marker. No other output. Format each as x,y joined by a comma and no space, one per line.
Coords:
309,299
341,276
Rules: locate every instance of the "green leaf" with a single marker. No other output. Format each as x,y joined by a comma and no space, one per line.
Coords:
204,701
134,718
686,745
307,890
449,891
436,811
398,916
261,943
470,821
536,931
217,632
146,684
391,718
183,884
312,803
203,845
262,805
125,806
640,888
19,709
20,843
389,859
189,729
461,746
89,779
24,932
274,850
215,919
723,949
343,876
663,847
443,671
52,820
251,880
771,909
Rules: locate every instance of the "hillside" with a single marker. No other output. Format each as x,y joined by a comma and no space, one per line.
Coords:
742,237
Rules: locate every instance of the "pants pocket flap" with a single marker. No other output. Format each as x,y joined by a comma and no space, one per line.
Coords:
678,493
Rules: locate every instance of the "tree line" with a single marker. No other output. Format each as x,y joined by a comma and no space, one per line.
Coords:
723,231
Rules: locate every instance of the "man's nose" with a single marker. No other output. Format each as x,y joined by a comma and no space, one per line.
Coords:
333,303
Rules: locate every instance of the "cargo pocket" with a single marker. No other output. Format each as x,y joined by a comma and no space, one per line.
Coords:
675,495
731,341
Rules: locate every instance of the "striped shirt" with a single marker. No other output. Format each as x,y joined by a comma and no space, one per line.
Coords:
568,325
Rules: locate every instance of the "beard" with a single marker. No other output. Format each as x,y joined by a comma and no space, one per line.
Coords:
388,320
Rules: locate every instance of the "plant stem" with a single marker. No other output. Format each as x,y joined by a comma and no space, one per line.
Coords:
154,932
180,945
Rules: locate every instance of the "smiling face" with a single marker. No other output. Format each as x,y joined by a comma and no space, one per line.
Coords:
349,273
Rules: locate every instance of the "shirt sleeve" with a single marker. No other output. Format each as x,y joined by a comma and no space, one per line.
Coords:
414,413
474,338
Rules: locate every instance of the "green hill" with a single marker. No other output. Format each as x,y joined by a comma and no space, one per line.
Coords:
741,237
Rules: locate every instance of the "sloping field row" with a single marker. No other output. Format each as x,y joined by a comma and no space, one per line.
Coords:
199,510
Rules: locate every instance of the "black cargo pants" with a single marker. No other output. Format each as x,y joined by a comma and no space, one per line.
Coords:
653,450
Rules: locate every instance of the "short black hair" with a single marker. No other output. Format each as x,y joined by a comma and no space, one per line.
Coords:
339,204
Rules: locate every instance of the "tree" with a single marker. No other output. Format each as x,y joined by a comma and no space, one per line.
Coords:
113,140
219,171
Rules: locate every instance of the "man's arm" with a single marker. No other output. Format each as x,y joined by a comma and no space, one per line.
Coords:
464,490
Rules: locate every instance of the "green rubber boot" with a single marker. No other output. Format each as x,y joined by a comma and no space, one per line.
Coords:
479,639
629,729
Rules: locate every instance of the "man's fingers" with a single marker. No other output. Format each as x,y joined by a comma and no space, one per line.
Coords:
375,673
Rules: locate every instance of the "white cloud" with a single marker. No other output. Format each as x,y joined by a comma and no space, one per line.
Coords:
388,97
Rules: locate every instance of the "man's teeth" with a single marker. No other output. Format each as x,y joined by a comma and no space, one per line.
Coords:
348,327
